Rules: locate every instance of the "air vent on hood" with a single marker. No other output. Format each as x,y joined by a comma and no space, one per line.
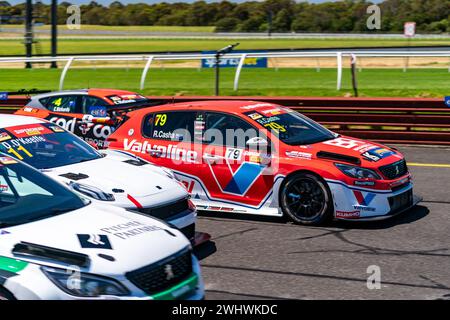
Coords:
338,157
74,176
136,162
36,250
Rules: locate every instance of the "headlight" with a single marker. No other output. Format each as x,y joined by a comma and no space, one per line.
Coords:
84,284
91,192
357,172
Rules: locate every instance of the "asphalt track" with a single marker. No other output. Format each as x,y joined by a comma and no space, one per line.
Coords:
259,258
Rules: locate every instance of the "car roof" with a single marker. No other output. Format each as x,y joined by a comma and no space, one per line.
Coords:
233,106
10,120
94,91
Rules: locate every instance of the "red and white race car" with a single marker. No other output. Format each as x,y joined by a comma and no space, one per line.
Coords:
262,158
88,113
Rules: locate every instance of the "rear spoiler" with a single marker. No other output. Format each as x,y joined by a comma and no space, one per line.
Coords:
23,92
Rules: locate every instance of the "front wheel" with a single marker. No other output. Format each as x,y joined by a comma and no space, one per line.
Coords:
306,199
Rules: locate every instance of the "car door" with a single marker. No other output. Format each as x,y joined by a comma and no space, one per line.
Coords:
231,171
167,140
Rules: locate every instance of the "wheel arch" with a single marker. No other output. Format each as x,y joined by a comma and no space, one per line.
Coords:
8,293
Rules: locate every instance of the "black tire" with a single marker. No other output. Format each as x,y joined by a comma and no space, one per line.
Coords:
306,199
6,295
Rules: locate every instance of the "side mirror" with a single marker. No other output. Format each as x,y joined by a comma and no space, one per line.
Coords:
257,142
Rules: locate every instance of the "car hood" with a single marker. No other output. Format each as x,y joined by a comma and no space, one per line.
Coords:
114,172
347,149
129,240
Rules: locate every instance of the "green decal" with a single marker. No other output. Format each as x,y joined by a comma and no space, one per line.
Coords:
12,265
178,290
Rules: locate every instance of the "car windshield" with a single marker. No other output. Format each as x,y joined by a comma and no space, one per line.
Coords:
45,145
27,195
290,126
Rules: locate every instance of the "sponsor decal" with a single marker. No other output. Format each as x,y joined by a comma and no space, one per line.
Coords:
272,112
3,187
130,229
29,109
27,131
299,155
226,62
100,112
130,132
348,214
94,241
127,98
7,160
239,181
447,101
257,105
169,152
378,154
364,200
99,131
255,116
56,129
4,136
2,232
364,183
350,144
3,95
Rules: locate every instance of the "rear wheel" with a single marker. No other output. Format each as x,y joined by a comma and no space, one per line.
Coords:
306,199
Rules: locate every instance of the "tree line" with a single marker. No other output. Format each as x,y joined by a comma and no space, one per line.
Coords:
431,16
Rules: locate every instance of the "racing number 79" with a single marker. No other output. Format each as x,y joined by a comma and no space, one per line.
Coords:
160,119
17,154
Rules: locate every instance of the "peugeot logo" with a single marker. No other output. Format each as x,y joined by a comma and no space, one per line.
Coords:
397,170
169,272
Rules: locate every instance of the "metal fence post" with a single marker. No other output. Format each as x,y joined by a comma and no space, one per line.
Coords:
238,71
144,72
339,70
64,72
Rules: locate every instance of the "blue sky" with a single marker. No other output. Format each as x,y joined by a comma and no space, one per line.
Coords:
106,2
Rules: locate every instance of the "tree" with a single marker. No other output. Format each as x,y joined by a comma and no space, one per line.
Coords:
226,24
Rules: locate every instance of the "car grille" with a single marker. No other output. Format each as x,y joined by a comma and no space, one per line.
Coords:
164,274
168,211
394,170
401,201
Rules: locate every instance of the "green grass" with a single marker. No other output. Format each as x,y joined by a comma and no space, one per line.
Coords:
265,82
75,46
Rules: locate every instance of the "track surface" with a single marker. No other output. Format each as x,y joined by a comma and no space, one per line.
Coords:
273,259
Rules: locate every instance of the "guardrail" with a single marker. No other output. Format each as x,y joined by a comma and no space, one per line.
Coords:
148,59
388,120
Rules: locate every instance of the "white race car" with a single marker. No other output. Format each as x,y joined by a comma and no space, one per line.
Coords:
112,177
56,244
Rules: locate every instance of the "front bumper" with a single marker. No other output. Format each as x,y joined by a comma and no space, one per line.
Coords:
33,284
364,204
